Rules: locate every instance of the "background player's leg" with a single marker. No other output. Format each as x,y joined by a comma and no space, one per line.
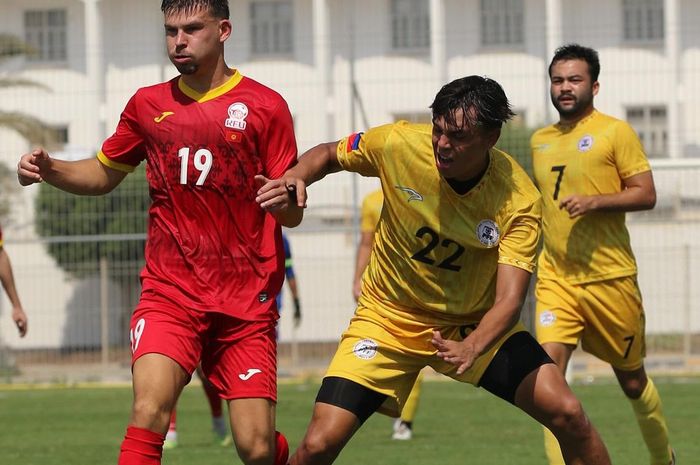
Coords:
171,435
646,403
403,427
158,381
219,425
546,397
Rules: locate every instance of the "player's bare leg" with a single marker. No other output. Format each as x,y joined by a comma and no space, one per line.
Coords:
561,354
253,428
545,396
329,431
158,382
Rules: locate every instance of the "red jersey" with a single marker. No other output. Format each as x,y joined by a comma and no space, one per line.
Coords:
210,246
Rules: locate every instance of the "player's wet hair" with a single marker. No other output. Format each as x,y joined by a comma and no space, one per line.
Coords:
578,52
482,101
217,8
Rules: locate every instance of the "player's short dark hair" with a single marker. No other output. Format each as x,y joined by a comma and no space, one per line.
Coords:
217,8
481,99
578,52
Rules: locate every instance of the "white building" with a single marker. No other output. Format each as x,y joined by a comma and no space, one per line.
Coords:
344,65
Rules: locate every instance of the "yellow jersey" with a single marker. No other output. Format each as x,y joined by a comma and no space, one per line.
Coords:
436,252
371,210
590,157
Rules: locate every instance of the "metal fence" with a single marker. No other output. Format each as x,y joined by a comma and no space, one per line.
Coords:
79,289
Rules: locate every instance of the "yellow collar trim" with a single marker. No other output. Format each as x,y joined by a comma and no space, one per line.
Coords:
213,93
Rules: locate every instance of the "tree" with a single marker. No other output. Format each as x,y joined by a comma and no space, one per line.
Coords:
515,141
30,128
83,230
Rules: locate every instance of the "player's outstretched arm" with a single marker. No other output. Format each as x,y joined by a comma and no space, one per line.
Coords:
82,177
278,194
511,289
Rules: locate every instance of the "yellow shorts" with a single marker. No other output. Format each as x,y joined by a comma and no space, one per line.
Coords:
386,356
607,317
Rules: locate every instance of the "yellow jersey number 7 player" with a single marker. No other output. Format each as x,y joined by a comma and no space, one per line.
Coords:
591,169
452,257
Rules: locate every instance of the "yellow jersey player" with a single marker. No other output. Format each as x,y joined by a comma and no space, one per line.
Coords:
369,217
591,169
452,257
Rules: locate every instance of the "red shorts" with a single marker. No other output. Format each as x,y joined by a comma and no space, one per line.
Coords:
239,357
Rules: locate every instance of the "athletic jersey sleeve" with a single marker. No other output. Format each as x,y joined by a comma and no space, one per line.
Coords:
288,264
361,152
278,145
125,149
519,245
630,158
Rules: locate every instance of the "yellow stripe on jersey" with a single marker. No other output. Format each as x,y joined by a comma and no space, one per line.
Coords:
113,164
213,93
371,210
436,252
589,158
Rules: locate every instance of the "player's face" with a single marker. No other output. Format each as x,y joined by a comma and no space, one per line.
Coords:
571,88
194,39
461,152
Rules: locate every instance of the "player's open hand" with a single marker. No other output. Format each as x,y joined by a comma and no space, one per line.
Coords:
279,194
459,353
577,205
30,166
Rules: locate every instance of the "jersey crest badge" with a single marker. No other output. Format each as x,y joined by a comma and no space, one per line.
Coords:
487,232
585,143
366,349
547,318
237,113
412,193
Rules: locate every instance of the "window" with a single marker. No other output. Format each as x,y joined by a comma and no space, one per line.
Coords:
651,125
271,28
45,34
410,25
502,22
643,20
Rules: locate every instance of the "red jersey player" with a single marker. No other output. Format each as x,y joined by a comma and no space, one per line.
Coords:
214,258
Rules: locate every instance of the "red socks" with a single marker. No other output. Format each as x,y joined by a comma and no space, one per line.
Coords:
141,447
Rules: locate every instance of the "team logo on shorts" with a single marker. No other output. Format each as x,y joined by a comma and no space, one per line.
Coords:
547,318
366,349
237,113
487,232
585,143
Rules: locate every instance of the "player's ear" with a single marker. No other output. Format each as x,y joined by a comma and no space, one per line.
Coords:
225,29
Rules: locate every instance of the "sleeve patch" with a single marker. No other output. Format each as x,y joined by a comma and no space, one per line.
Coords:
354,141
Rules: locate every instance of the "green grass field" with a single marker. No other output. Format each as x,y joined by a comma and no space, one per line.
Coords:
456,424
